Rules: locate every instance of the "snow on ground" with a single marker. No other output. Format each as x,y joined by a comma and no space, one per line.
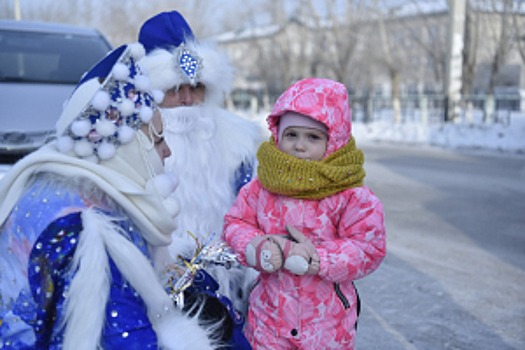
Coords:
474,134
495,137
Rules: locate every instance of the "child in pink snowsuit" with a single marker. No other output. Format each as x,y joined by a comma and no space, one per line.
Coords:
307,223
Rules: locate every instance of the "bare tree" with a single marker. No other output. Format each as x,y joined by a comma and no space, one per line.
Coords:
501,33
393,70
272,50
7,10
426,31
260,51
387,56
345,37
470,45
282,51
519,27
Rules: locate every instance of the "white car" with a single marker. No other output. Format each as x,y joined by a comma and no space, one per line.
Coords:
40,64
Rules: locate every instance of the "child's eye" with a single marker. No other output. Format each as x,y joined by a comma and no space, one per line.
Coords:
290,134
159,141
316,137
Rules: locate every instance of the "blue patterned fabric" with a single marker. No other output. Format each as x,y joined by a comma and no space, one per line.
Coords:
127,323
243,175
38,206
205,284
35,275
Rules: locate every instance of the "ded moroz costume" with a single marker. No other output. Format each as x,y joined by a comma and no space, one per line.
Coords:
213,149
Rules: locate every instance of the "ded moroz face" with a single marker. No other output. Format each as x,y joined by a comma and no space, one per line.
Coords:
303,142
184,95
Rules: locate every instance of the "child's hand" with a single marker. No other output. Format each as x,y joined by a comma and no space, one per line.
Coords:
264,254
301,257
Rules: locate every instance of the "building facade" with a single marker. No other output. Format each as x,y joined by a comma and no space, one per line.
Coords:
404,52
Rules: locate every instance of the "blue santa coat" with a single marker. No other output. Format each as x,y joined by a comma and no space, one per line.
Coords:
35,275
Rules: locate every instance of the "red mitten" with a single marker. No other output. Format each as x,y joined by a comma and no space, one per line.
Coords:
301,258
263,254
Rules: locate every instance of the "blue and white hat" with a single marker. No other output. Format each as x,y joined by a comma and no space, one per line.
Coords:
110,103
174,57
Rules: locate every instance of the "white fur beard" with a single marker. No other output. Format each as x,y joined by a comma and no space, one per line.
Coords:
200,161
195,121
208,145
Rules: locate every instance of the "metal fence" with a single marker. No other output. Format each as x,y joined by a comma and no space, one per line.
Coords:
432,109
428,109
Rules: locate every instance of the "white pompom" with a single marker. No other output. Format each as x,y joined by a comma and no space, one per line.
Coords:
81,128
65,144
142,83
174,178
101,100
137,50
162,184
172,206
146,113
83,148
105,127
120,71
106,150
127,107
158,96
125,134
251,258
296,264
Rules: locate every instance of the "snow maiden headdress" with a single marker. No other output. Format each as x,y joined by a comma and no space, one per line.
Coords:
98,138
174,57
100,117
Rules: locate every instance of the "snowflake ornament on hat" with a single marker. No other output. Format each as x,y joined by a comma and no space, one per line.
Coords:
174,57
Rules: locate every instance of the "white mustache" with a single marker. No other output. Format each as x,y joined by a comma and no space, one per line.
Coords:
190,120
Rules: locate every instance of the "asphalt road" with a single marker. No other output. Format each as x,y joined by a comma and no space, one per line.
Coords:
454,275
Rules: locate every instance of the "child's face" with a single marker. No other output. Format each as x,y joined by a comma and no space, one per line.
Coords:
303,143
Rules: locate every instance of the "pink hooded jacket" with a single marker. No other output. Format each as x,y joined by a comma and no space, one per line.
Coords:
347,229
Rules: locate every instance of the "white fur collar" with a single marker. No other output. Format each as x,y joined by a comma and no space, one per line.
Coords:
88,295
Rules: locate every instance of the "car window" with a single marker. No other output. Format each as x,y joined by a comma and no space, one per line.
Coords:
47,57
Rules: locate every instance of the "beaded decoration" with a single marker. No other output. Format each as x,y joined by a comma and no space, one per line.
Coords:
116,111
190,64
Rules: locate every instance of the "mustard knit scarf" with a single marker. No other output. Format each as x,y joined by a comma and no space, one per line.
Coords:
287,175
